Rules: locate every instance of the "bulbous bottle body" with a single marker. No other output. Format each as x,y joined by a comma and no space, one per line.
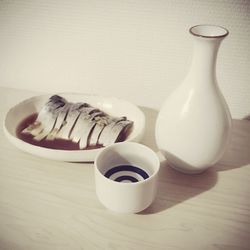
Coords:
193,126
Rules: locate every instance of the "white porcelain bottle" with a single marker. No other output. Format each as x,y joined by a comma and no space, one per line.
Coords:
194,124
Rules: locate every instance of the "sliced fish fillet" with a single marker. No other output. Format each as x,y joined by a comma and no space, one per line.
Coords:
103,138
78,122
45,115
86,133
48,124
101,122
59,121
84,117
72,116
116,130
93,141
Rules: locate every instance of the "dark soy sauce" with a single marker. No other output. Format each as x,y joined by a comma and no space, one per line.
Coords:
56,143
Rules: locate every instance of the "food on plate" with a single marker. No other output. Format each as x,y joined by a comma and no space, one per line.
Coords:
73,123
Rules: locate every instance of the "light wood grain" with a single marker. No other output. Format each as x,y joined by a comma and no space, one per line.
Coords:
47,204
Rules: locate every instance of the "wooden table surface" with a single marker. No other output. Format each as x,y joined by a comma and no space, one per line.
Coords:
47,204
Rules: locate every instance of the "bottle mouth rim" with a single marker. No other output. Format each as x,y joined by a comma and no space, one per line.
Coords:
209,31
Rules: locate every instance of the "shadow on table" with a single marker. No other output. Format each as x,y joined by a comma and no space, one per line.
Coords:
175,187
237,153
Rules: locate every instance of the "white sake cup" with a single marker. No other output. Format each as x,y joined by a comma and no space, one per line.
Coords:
115,178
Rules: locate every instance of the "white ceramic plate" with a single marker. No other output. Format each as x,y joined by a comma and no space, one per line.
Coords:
110,105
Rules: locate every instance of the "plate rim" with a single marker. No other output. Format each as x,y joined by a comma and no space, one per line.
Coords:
72,155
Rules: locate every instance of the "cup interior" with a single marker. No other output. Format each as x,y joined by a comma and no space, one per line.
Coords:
127,162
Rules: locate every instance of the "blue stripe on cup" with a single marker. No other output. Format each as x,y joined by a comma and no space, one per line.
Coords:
128,168
126,178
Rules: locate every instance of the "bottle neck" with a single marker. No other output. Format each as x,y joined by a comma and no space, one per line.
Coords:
203,66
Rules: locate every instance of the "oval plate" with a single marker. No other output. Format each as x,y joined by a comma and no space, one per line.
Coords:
111,105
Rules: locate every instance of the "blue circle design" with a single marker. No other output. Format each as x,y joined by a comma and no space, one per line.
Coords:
128,168
127,178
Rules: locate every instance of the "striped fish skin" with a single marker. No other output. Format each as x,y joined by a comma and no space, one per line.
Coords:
83,141
101,123
81,123
86,133
45,116
103,138
49,121
116,130
96,132
59,121
71,118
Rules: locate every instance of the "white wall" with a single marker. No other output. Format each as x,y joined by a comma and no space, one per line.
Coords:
139,50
